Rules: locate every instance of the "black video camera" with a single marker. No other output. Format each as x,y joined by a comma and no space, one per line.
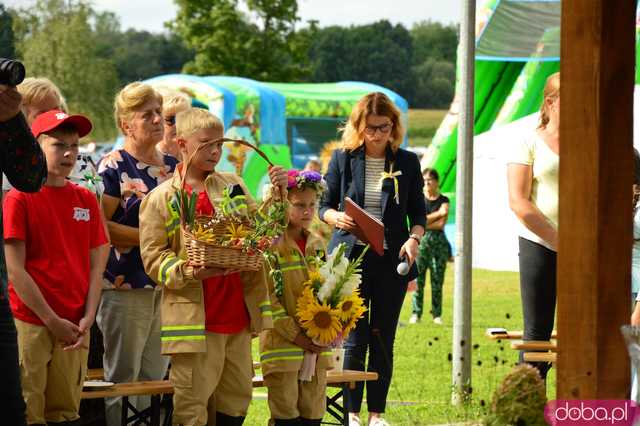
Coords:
11,72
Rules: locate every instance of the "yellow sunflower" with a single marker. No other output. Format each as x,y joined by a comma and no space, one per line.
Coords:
305,299
349,307
355,312
315,280
320,322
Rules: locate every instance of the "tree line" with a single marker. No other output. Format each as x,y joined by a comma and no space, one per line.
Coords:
89,56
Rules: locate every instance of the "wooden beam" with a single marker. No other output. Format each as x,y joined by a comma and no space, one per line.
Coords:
596,162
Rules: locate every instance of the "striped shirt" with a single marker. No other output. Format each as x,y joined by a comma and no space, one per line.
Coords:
373,187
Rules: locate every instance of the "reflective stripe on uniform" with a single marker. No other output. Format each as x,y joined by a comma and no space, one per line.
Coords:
265,309
166,266
292,266
182,332
292,262
281,354
171,225
280,313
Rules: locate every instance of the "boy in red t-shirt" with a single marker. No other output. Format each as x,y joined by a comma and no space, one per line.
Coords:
56,251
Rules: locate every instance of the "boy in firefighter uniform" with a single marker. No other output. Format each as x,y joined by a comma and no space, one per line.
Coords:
208,314
293,401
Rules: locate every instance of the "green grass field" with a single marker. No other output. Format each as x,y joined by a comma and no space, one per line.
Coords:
423,124
421,386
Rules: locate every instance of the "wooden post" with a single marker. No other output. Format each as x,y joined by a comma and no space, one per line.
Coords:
596,164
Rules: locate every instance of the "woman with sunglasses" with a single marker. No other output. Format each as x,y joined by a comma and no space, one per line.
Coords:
173,102
384,180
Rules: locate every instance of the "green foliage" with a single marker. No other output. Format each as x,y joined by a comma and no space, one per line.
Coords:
138,55
433,71
57,41
519,400
434,81
418,64
185,205
378,53
434,40
7,41
262,44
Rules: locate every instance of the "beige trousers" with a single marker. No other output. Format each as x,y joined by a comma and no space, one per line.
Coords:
290,398
51,377
219,379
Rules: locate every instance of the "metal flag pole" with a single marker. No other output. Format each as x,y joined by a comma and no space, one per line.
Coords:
461,351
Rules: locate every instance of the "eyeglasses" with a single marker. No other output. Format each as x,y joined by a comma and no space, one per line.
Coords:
171,120
384,128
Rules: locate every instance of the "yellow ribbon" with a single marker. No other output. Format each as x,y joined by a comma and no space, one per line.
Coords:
392,175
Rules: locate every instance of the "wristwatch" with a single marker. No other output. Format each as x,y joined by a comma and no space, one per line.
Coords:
416,237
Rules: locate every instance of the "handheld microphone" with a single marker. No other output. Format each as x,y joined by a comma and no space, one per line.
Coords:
403,266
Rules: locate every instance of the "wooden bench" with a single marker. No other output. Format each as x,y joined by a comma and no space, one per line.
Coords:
542,350
535,345
346,379
495,334
98,373
551,357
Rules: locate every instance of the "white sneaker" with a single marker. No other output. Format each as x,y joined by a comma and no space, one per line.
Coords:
437,320
378,421
414,319
354,420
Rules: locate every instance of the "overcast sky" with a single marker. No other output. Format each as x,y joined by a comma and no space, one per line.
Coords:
151,14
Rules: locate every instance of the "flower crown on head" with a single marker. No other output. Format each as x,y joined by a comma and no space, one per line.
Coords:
305,179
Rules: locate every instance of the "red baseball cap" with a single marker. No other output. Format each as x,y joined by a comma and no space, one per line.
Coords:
53,119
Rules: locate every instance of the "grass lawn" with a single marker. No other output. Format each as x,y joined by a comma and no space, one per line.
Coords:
420,391
423,124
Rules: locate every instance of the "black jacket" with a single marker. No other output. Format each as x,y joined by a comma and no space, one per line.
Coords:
345,178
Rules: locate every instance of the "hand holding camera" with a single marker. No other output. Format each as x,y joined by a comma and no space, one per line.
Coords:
11,74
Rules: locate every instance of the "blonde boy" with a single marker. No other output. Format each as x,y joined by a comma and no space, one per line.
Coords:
208,314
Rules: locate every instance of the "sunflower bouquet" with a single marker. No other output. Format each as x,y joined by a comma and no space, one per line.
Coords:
330,304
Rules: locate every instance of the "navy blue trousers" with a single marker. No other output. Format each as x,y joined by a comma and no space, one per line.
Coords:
383,291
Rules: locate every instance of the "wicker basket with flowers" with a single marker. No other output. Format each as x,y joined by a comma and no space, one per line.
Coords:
233,237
